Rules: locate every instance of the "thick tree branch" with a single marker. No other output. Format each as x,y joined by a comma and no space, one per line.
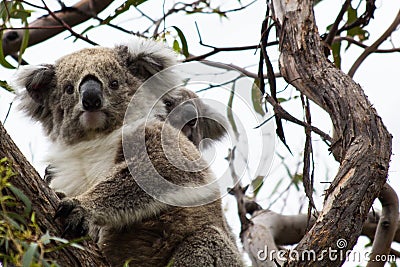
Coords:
47,27
386,228
363,145
44,202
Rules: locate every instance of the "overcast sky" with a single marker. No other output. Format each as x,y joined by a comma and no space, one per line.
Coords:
378,76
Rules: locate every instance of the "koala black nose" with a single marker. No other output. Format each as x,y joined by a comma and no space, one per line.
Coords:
91,94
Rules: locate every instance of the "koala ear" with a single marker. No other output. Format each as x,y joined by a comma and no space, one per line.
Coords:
34,84
145,57
213,125
37,81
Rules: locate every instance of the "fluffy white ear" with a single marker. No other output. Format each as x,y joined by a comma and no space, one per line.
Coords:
146,57
33,84
35,79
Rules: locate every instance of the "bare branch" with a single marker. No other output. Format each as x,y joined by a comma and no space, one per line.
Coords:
66,26
351,40
375,45
222,49
75,15
333,30
239,192
386,228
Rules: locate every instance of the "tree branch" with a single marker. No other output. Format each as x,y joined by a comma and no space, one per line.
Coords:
335,25
40,30
351,40
387,227
375,45
363,145
44,202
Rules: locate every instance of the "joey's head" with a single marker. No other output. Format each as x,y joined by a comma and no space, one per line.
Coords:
193,117
85,94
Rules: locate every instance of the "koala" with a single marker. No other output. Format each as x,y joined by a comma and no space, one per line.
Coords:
81,102
196,120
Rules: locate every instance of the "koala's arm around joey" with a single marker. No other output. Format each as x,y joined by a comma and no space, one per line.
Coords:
119,200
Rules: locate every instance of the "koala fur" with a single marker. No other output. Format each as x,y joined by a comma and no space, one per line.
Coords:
195,119
81,102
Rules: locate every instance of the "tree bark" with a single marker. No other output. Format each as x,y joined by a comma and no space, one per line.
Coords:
361,142
42,27
44,202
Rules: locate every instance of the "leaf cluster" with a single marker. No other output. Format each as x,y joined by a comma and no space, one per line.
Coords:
22,243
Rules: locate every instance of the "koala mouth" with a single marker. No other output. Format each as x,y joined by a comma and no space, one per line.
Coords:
91,120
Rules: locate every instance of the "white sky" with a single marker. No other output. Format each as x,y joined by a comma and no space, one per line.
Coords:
378,76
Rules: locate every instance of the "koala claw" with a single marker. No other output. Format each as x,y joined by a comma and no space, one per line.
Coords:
74,217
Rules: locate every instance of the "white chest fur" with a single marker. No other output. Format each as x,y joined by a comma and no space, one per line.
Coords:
76,168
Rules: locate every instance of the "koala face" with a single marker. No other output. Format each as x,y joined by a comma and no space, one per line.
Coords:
93,88
85,94
195,119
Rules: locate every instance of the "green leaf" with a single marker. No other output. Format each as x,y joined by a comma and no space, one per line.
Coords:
66,243
6,86
229,110
45,239
24,43
336,54
256,97
3,10
3,60
356,31
18,193
257,183
185,49
296,179
176,46
17,218
27,259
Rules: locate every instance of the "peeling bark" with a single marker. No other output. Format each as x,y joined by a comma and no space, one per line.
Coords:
361,143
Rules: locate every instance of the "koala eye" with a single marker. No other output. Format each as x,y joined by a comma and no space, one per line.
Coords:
69,89
192,123
114,84
167,103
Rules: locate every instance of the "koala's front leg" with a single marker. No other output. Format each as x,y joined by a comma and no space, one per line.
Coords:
74,216
115,202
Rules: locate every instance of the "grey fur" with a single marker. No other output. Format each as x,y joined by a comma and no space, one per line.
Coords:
104,198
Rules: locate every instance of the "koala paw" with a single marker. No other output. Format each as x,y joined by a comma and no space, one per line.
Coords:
74,217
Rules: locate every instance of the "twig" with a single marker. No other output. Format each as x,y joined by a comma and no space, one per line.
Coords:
221,49
287,116
239,192
308,180
8,113
375,45
235,67
66,26
351,40
364,19
335,25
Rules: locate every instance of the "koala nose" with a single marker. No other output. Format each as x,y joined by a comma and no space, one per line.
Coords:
91,94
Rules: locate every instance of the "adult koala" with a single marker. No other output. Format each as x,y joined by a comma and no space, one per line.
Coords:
81,102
